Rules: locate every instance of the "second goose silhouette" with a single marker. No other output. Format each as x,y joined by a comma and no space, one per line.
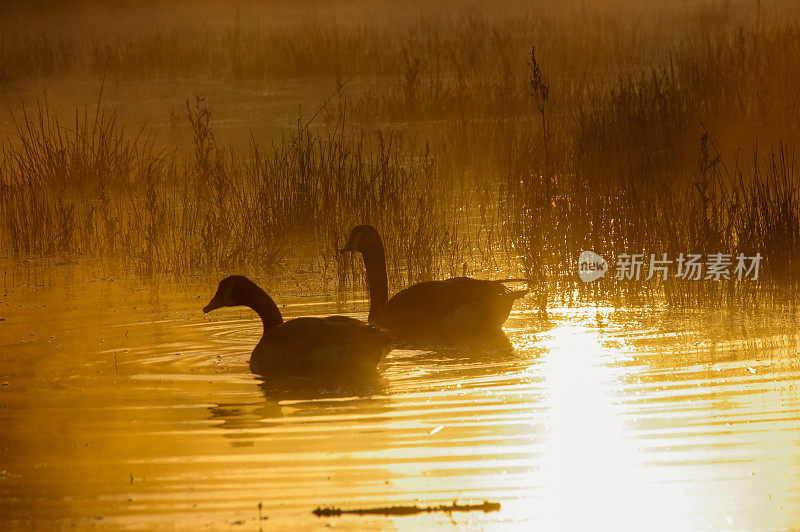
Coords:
453,309
305,346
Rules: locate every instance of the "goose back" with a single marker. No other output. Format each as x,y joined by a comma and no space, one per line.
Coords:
312,345
452,308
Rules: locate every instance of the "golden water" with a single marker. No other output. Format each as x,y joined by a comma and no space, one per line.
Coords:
123,406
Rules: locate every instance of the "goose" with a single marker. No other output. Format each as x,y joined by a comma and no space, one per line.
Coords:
454,309
302,345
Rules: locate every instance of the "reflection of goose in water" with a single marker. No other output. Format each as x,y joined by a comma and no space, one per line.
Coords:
303,346
330,386
498,352
452,310
245,422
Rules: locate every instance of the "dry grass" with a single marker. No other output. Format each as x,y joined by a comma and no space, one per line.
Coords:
626,132
90,191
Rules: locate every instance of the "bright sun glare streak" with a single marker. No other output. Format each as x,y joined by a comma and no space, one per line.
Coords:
590,476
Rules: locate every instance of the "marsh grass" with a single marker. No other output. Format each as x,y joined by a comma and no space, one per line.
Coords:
90,191
469,152
62,184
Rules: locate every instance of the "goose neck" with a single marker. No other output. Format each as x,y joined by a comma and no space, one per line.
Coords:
375,265
265,307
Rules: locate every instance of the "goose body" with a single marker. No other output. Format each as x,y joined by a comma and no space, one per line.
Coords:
456,308
303,345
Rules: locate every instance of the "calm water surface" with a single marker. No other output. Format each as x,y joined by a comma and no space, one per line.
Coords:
123,406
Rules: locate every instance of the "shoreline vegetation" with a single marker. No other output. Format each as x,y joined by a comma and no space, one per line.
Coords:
468,149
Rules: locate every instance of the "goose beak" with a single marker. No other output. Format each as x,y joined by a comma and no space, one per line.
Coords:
212,305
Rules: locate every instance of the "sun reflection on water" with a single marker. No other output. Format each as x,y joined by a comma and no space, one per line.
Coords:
590,477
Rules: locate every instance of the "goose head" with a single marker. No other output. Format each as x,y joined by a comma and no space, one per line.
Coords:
362,238
232,291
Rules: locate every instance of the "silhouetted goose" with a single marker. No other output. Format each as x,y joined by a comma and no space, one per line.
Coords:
456,308
302,345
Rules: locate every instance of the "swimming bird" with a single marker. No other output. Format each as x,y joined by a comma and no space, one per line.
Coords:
302,345
453,309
